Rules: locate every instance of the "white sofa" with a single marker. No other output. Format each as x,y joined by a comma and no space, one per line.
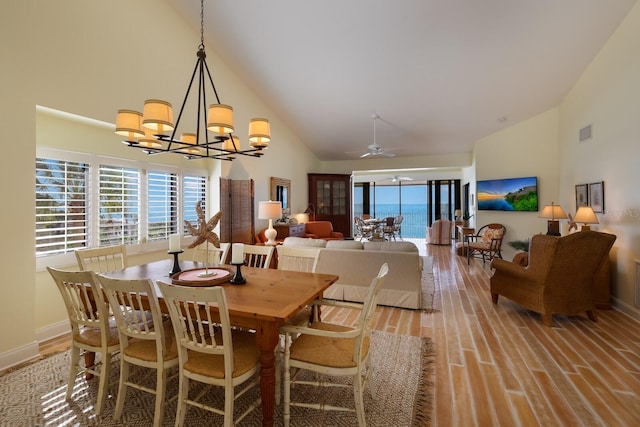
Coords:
357,263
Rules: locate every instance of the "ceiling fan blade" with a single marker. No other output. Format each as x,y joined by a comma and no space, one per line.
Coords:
365,155
385,154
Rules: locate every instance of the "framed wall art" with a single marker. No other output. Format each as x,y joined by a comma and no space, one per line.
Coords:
582,196
596,196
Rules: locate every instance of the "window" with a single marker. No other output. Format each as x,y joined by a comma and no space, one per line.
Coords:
194,190
85,200
61,206
162,204
119,205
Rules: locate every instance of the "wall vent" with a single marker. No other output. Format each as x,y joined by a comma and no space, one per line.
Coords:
585,133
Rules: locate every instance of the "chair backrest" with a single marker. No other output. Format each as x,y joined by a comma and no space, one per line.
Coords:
102,260
492,234
126,298
297,259
196,328
83,299
389,221
399,219
365,320
200,253
258,256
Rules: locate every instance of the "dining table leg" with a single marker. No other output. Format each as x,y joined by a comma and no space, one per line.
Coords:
267,336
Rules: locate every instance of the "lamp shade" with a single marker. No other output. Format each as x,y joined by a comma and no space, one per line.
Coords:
585,215
149,141
157,115
129,124
220,119
458,213
231,144
269,210
553,212
259,133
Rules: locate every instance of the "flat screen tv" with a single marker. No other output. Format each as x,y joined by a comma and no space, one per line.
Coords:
511,194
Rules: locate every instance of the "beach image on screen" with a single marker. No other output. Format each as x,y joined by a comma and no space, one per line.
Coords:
512,194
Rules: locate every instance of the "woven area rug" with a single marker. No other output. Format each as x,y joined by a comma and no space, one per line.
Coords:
33,395
428,284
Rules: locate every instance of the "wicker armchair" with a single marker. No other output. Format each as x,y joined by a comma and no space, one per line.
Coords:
559,277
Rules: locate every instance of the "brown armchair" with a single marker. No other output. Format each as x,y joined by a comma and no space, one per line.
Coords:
487,243
559,277
321,230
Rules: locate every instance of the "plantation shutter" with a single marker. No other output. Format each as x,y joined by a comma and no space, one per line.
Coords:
162,205
119,205
61,206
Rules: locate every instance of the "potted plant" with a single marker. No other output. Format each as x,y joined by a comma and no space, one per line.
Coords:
465,219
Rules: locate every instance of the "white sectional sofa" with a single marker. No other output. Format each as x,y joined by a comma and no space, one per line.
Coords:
357,263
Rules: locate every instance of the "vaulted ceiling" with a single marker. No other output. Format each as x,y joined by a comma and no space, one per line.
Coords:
440,73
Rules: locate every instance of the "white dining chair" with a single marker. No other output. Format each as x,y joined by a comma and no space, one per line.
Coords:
207,252
91,329
103,259
258,256
144,341
210,351
333,350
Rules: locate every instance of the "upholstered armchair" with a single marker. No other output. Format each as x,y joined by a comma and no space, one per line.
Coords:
559,277
322,230
440,232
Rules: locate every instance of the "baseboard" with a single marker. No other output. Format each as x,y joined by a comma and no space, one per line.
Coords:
18,355
53,331
627,309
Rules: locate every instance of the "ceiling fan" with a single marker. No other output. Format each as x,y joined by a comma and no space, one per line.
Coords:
396,178
375,149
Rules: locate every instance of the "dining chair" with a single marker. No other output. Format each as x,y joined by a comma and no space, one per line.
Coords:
143,342
209,350
91,329
258,256
333,350
389,229
207,252
102,260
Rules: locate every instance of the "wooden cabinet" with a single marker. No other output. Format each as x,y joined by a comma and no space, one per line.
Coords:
330,195
285,230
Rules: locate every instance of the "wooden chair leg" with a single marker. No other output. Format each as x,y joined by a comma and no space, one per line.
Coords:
494,298
592,315
547,320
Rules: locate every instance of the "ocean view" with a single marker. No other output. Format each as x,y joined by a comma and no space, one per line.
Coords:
414,223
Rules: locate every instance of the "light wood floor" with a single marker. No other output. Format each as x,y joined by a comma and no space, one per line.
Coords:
499,365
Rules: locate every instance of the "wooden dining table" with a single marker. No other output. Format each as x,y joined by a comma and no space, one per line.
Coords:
268,300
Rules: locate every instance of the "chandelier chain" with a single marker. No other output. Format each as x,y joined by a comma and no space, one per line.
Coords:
202,24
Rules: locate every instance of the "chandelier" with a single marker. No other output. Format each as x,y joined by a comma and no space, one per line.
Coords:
154,132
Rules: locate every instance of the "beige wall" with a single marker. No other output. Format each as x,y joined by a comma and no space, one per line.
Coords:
529,148
607,96
90,59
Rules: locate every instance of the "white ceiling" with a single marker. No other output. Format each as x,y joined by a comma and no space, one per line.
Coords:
440,73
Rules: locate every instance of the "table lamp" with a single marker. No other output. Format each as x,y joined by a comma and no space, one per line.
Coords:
457,214
586,216
270,210
554,212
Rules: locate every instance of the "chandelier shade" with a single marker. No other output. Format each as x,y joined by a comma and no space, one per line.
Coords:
157,115
259,133
129,124
154,130
220,119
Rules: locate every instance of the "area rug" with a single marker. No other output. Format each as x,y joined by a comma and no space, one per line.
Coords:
428,284
33,395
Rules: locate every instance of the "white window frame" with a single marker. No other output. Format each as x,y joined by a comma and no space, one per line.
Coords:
94,161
